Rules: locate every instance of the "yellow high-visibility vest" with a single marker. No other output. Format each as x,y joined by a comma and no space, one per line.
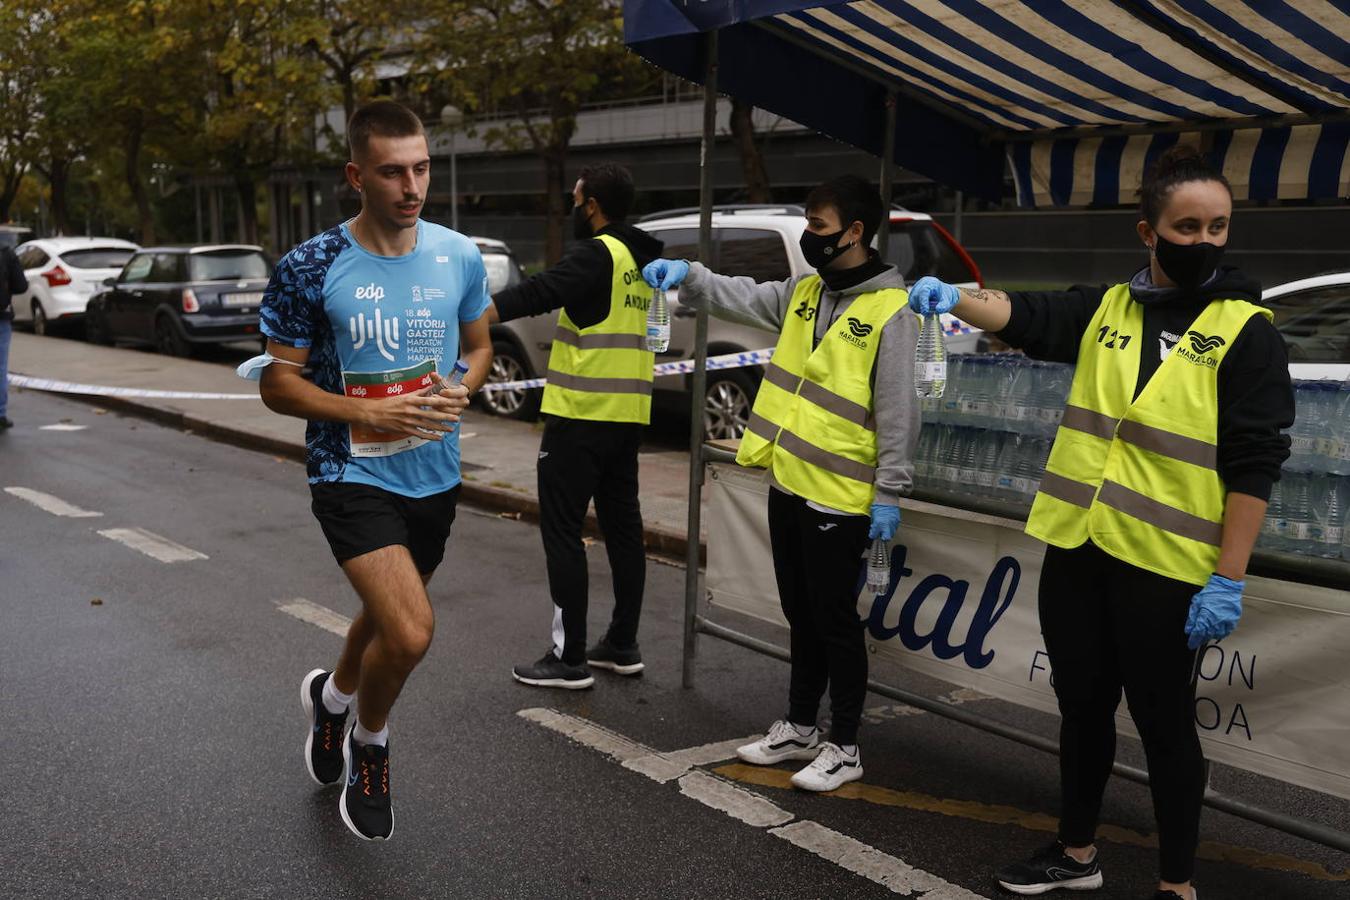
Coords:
1139,477
813,421
604,372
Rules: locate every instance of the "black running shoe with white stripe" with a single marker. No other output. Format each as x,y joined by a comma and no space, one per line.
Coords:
364,804
550,671
1051,869
323,736
625,661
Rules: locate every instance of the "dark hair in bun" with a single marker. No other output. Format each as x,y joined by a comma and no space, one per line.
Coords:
1176,165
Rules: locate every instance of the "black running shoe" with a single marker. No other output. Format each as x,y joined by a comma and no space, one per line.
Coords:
364,803
550,671
1172,895
605,655
1050,869
323,742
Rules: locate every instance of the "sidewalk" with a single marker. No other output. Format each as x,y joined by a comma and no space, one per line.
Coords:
499,454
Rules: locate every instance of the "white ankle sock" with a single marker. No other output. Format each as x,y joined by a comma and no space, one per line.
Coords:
804,730
334,700
362,735
849,749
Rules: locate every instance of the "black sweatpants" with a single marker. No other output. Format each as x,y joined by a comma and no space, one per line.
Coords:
580,461
817,558
1110,626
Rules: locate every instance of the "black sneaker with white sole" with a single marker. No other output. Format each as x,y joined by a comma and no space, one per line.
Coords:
364,805
550,671
1051,869
605,655
323,737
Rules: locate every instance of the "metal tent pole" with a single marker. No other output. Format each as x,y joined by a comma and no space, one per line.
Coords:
700,380
887,155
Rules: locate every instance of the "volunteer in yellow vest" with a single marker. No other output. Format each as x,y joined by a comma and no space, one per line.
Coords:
597,400
1151,501
835,425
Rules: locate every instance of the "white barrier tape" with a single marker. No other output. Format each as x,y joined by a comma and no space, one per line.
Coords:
682,367
98,390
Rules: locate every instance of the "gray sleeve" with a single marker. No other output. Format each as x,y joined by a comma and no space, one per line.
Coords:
737,299
896,408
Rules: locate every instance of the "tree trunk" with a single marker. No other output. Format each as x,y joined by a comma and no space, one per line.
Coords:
9,189
752,160
247,191
132,146
555,188
58,176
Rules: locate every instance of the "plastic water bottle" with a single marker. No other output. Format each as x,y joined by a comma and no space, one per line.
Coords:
658,322
1338,439
1304,433
1272,528
1298,518
930,358
879,566
1329,507
458,371
989,462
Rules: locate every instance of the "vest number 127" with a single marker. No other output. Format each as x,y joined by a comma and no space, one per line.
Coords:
1102,337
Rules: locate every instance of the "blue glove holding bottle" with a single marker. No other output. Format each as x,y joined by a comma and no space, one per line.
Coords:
885,522
1214,611
665,273
929,295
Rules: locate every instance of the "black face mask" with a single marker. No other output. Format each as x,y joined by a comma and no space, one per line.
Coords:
1189,265
581,224
822,249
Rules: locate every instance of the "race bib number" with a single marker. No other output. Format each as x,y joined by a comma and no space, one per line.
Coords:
376,386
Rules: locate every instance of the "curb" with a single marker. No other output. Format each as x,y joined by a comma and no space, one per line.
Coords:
664,542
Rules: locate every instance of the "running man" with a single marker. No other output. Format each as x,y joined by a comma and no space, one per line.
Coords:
377,307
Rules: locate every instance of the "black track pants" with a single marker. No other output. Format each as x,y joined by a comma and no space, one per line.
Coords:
817,558
1108,627
581,461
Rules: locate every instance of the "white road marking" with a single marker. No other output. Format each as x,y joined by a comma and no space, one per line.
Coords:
54,505
665,767
63,426
153,545
748,807
888,871
318,615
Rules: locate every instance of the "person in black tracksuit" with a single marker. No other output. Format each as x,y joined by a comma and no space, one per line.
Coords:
581,460
1111,627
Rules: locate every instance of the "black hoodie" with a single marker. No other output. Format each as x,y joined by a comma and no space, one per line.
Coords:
580,282
1256,399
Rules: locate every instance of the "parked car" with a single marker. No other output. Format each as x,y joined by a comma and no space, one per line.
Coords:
761,242
511,361
12,235
178,297
1313,315
63,273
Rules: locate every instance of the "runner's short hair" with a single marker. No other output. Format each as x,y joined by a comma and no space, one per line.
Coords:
612,187
380,118
855,199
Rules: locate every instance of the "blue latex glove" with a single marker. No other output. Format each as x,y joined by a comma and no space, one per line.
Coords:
665,273
1214,611
929,295
885,521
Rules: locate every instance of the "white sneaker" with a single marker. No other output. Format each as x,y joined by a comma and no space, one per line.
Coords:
782,742
832,769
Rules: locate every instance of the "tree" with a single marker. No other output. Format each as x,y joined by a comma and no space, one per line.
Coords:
135,60
262,90
18,100
752,157
536,61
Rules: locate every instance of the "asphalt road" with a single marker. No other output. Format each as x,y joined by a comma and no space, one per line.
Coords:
153,731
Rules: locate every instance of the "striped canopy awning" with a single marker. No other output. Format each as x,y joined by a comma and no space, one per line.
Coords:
1076,97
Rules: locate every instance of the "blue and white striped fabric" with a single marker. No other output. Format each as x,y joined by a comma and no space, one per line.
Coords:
1066,87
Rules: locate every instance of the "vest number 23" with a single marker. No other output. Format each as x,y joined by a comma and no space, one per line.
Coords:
806,311
1110,339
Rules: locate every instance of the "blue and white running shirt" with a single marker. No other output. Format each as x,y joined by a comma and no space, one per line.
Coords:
375,326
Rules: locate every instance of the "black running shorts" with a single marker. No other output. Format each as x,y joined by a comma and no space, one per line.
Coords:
359,518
